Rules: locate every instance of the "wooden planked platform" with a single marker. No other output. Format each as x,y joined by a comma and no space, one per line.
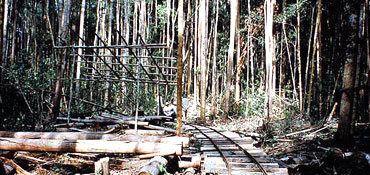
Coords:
238,162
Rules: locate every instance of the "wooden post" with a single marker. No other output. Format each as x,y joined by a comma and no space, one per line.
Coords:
102,166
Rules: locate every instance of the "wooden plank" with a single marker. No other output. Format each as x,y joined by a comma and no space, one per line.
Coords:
240,159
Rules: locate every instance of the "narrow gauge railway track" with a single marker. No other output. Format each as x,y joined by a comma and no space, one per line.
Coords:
234,155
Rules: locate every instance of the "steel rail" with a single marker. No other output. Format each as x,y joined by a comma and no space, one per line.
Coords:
242,149
217,148
254,160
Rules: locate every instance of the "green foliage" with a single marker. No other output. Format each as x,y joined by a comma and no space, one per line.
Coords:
162,170
24,98
291,11
253,102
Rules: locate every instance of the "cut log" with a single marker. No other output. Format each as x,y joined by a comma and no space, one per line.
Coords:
189,171
154,167
147,156
93,146
104,121
140,118
102,166
195,162
94,136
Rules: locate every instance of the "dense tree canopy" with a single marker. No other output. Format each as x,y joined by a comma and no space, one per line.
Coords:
267,60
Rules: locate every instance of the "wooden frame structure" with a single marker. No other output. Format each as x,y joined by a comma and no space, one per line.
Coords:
115,68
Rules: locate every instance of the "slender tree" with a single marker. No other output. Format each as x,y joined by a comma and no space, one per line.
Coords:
367,51
203,56
239,60
4,36
14,31
1,39
63,33
214,65
230,56
299,58
269,56
314,46
180,66
80,42
351,18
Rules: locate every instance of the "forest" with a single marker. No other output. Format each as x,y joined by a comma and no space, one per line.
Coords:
292,74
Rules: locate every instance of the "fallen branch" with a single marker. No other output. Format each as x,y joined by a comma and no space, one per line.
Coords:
34,160
18,169
195,162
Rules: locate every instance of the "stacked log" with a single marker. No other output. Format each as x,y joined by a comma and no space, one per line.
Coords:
93,146
94,136
154,167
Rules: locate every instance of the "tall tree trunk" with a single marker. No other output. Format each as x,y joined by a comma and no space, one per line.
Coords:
203,66
80,43
1,41
109,42
48,23
14,31
299,59
4,37
180,66
319,68
314,46
367,52
230,57
63,33
309,52
270,54
357,69
214,65
344,134
240,62
196,55
190,56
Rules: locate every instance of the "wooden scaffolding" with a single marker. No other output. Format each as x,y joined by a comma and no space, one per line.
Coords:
114,77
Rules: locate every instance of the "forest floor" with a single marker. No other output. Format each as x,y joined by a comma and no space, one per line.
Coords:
302,147
308,149
297,144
